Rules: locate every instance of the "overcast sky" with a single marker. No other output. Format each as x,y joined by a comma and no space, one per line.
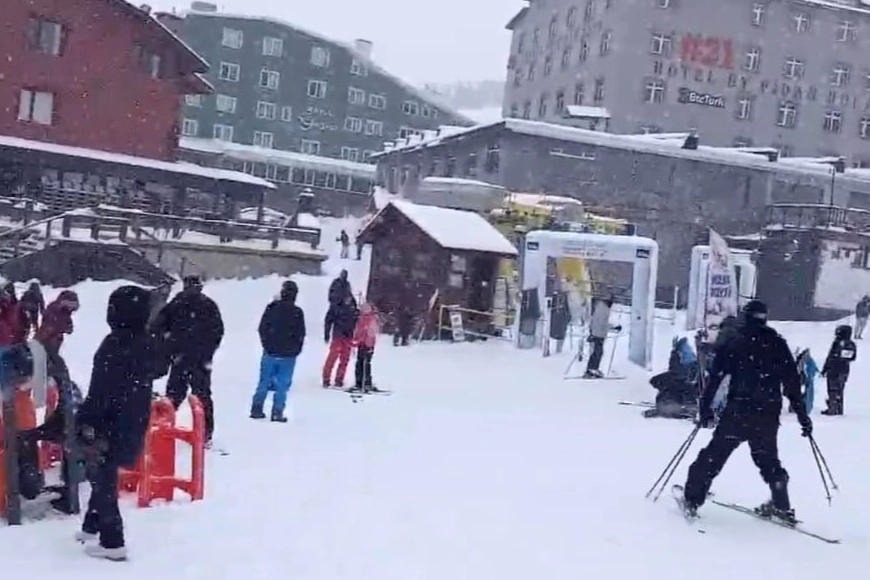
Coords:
421,41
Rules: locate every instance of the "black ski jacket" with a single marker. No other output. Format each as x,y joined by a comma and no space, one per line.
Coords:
118,405
339,289
843,352
282,329
191,325
340,321
762,370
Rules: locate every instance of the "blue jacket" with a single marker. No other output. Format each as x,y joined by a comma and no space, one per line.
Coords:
808,370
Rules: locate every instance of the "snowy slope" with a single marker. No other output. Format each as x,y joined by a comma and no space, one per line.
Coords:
484,464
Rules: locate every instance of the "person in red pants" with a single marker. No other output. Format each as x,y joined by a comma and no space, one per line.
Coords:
338,332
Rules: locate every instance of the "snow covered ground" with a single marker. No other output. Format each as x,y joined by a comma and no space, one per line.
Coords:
483,464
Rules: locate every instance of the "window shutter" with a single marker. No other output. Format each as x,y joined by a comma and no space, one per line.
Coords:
33,33
24,103
43,105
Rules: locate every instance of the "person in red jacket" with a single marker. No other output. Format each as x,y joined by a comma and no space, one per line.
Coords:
365,336
57,322
12,329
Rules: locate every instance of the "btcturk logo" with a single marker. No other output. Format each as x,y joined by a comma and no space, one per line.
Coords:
688,96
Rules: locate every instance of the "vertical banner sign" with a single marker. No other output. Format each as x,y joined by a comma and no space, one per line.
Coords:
720,298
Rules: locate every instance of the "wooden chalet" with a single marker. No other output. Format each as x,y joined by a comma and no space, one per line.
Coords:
419,250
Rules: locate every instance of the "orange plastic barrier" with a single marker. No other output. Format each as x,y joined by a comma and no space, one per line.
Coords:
154,475
25,413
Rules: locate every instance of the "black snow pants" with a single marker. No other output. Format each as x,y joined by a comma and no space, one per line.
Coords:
103,516
730,433
597,352
363,369
836,387
193,375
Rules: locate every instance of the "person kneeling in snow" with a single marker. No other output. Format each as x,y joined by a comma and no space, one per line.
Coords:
678,386
282,334
114,416
365,336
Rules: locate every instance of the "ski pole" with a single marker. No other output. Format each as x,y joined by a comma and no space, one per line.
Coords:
612,353
825,464
672,465
820,462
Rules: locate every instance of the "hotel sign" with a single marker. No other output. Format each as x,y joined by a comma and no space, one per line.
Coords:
689,97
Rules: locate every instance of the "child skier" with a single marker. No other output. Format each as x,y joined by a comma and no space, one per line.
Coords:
365,336
836,368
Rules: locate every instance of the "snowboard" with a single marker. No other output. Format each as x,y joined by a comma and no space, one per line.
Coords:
10,456
73,462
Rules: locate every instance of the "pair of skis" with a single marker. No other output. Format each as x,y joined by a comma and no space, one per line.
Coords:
356,395
677,492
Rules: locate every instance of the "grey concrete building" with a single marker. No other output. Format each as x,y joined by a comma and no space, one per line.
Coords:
280,86
672,194
792,74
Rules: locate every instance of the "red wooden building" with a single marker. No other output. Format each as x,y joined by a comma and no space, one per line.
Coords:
97,74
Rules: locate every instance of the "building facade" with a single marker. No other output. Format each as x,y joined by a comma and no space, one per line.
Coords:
792,74
672,194
340,187
98,74
279,86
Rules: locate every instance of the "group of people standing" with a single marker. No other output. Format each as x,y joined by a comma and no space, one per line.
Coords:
345,327
282,331
147,339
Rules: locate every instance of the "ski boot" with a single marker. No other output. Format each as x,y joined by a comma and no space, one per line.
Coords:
770,512
278,417
257,412
326,384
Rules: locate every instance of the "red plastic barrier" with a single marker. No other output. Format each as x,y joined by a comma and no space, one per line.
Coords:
25,413
154,476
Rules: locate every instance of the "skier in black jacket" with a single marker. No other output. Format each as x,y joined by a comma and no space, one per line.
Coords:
282,334
114,416
836,368
340,289
338,327
192,327
762,369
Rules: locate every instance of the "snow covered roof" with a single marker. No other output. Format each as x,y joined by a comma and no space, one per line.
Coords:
453,229
483,114
460,181
667,145
121,159
424,96
856,6
585,112
542,200
277,156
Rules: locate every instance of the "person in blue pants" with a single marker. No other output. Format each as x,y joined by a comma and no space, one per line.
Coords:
282,335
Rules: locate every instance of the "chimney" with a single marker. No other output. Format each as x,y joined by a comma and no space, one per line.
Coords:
145,8
364,47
